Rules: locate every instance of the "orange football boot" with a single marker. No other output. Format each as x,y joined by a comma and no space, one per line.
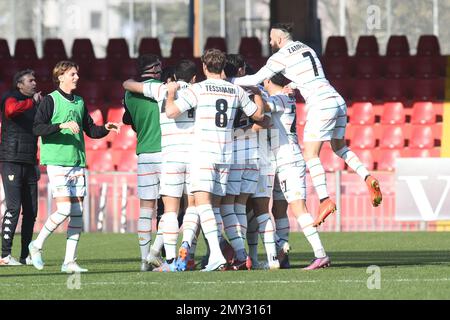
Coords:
374,189
326,208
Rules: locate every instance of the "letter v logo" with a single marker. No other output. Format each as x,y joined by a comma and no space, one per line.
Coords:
414,184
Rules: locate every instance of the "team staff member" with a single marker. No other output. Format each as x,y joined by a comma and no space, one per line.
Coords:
18,149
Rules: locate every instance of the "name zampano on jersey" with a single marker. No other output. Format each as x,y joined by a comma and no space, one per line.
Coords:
296,47
212,88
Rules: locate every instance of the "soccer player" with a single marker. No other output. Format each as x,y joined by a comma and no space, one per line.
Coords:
327,115
143,114
290,168
60,121
176,141
215,102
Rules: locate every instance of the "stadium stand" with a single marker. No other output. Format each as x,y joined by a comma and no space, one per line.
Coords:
149,45
117,48
367,46
217,43
397,46
336,47
5,54
25,49
54,50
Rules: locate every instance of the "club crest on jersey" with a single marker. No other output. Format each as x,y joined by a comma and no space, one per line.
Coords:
11,177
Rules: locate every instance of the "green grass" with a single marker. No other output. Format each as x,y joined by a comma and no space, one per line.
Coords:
413,266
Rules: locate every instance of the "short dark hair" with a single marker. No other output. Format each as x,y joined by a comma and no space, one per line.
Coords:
279,79
61,67
18,77
185,70
215,60
285,27
234,62
167,73
146,61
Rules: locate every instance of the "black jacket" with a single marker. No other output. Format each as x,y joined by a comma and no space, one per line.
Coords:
18,143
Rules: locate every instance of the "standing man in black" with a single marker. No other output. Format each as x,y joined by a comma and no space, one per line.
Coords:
18,156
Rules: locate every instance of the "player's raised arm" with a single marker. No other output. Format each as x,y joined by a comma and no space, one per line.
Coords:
252,80
172,110
133,86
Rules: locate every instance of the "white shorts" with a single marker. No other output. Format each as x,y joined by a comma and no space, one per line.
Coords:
175,177
326,120
66,181
264,187
243,178
210,178
292,181
148,175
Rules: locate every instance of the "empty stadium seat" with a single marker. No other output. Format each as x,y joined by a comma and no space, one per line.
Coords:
336,47
182,48
149,45
4,50
397,67
425,67
300,113
125,140
216,43
54,50
392,137
95,144
396,89
128,69
99,160
367,46
117,48
250,47
423,113
43,70
25,49
97,116
393,113
386,159
337,67
92,92
421,137
365,90
115,114
429,89
330,161
365,156
46,86
397,46
421,153
362,113
343,87
428,45
368,67
115,92
127,161
363,137
9,69
102,70
82,49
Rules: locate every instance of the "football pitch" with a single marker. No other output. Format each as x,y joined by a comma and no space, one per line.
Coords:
411,266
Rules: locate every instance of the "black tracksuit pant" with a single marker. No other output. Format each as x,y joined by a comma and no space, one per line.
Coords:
20,185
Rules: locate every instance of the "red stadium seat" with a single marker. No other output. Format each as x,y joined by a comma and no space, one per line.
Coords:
97,116
217,43
127,69
95,144
330,161
397,67
363,137
337,67
149,45
91,91
397,46
368,67
127,161
392,137
421,137
43,70
396,90
46,87
115,114
54,50
367,46
82,49
250,47
422,153
4,50
102,70
99,160
426,67
343,87
182,48
362,113
115,92
125,140
429,89
386,159
9,69
117,48
423,113
393,113
366,157
428,45
336,47
365,90
25,49
300,113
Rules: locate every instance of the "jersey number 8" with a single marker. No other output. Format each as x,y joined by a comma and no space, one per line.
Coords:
221,115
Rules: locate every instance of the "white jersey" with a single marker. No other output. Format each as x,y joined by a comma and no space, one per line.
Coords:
216,102
176,134
283,136
300,64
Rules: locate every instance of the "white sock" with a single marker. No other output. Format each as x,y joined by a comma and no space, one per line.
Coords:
170,234
232,230
209,227
267,231
241,214
252,237
306,221
53,222
158,244
282,226
73,231
145,230
318,177
219,223
191,221
352,160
